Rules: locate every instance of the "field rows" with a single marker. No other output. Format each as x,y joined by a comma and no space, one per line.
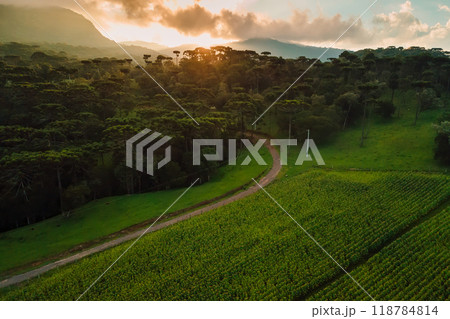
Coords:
414,267
250,250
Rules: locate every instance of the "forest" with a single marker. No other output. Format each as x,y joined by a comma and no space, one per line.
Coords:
64,121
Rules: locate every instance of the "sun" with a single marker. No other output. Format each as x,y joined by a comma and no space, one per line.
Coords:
159,34
205,40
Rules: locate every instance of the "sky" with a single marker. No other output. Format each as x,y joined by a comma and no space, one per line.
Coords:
313,22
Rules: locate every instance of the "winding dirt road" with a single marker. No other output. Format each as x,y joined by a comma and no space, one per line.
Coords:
267,179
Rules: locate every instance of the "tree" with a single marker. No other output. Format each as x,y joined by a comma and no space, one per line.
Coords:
51,104
349,56
419,86
292,108
393,84
244,106
442,140
385,108
349,104
367,93
45,161
177,55
76,195
446,68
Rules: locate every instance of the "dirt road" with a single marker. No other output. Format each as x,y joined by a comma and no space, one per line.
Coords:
267,179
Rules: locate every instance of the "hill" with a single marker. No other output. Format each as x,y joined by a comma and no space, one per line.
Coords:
147,45
391,52
51,25
181,48
284,49
277,48
55,29
65,50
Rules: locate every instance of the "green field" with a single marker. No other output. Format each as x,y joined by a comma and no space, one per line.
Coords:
250,250
394,144
108,215
414,267
250,235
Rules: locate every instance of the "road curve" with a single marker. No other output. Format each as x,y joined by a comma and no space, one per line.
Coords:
267,179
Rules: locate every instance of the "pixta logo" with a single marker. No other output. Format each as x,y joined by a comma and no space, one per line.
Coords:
253,149
142,141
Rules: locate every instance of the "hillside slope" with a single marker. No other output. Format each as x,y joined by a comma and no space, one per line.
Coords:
55,29
52,25
277,48
284,49
51,239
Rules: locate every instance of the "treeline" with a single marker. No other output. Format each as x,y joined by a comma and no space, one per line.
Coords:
64,121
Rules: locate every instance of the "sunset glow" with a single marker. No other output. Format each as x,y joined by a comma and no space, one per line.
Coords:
321,22
159,34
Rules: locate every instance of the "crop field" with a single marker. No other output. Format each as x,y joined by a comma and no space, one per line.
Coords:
100,218
414,267
251,250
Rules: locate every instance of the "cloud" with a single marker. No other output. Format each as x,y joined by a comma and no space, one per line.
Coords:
404,28
444,8
406,7
300,27
141,11
195,20
402,24
399,27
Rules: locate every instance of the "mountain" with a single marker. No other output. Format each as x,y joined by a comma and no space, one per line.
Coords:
277,48
284,49
58,29
50,24
148,45
181,48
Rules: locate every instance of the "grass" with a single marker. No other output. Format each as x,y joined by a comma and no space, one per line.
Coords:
109,215
393,144
250,249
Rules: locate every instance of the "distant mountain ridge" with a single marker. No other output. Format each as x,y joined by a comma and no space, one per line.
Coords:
60,29
148,45
49,26
181,48
277,48
284,49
